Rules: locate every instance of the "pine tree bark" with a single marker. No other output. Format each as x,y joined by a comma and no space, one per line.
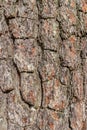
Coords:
43,64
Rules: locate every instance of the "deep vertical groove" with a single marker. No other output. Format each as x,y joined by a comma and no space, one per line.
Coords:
40,77
39,3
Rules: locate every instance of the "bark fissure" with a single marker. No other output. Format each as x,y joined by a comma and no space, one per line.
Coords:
43,64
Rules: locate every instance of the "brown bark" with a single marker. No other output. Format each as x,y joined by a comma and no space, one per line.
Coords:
43,65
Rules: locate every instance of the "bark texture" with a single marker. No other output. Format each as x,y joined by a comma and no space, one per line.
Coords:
43,64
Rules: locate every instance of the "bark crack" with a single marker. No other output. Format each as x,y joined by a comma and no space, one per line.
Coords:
41,82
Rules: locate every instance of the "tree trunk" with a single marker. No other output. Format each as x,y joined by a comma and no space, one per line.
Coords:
43,65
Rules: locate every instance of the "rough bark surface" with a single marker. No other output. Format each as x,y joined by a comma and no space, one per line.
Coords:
43,64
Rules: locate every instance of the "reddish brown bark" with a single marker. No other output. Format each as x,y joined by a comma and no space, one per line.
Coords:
43,64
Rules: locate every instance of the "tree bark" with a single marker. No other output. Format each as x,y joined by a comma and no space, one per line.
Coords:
43,64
